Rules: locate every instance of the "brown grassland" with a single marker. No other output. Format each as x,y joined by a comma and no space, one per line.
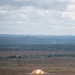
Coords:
31,60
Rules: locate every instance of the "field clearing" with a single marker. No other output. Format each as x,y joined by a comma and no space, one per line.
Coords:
25,65
32,52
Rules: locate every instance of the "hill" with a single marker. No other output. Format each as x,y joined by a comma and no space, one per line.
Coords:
36,39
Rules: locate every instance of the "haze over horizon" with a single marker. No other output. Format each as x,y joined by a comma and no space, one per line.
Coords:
37,17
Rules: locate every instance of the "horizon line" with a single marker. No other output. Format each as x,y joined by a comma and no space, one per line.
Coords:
42,34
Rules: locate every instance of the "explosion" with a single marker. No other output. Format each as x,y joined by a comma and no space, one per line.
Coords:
38,71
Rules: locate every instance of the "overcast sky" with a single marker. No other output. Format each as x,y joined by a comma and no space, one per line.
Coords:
37,17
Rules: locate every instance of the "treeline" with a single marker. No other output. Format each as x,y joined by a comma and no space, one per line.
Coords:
41,56
39,47
62,55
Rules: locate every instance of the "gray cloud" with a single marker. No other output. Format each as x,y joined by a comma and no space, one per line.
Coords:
43,4
37,17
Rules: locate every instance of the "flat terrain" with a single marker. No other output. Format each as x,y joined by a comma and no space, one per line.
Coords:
24,62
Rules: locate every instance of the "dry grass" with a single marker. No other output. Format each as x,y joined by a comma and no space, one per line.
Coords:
24,66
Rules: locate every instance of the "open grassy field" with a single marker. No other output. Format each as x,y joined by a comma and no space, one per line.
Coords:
30,60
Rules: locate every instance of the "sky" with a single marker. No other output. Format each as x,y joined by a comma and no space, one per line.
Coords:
37,17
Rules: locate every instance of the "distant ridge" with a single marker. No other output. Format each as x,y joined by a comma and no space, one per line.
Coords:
36,39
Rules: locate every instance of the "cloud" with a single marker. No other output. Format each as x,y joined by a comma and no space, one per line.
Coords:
70,1
69,13
27,13
43,4
14,14
71,7
37,17
3,12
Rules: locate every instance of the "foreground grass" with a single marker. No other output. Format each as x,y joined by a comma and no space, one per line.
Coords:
25,65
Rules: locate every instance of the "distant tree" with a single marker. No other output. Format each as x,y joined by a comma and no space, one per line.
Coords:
12,56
